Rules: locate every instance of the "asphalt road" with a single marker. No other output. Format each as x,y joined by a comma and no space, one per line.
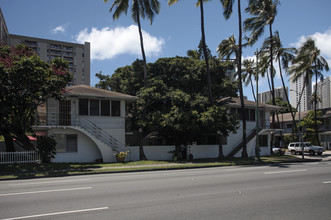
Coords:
286,191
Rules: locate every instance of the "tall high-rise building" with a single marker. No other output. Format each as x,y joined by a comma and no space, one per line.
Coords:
324,93
78,55
4,34
265,97
295,91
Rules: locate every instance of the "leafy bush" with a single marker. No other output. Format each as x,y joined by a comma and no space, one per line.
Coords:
46,147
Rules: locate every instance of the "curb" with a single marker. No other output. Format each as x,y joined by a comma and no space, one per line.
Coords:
165,168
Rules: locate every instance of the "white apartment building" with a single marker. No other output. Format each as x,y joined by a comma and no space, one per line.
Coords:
265,97
78,55
295,91
324,93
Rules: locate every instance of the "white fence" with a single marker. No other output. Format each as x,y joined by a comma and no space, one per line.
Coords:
19,157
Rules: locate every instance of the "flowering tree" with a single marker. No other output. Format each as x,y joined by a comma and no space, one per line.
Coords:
26,82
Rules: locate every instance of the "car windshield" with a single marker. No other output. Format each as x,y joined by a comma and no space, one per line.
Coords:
308,144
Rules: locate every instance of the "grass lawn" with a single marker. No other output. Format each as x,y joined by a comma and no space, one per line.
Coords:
13,171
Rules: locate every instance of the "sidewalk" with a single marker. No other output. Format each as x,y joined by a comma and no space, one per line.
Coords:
326,156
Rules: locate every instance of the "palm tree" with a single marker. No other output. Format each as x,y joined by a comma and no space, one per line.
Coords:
248,71
310,61
204,46
284,56
139,8
227,6
264,13
226,49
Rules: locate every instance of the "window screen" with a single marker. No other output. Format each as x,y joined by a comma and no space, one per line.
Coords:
83,106
94,107
105,107
115,108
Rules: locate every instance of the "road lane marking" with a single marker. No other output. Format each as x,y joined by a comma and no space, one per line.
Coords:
56,213
47,182
44,191
288,171
327,182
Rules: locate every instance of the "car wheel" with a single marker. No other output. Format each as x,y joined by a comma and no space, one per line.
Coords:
320,153
311,153
293,152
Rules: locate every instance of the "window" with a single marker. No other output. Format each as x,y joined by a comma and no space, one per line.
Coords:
66,143
252,114
83,106
115,108
263,140
105,107
72,143
94,107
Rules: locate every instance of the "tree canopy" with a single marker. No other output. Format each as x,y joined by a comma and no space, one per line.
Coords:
26,82
176,102
308,123
281,103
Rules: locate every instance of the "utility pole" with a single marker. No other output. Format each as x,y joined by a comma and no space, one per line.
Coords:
257,145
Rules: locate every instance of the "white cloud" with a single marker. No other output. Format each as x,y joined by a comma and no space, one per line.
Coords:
107,43
323,42
59,29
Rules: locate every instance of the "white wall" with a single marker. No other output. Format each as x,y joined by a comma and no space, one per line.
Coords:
158,152
204,151
87,150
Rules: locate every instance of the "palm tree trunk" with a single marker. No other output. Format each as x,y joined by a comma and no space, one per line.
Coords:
272,83
315,111
220,146
241,94
252,88
142,47
141,149
203,38
287,98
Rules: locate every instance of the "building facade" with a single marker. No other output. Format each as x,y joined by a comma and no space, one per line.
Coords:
296,88
265,97
78,55
323,93
4,34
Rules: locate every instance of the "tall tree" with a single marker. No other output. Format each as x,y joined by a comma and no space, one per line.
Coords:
204,46
284,56
26,82
263,14
310,61
227,6
309,122
227,12
139,8
248,71
173,105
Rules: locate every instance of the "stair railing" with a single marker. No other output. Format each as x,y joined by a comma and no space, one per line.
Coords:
102,135
237,147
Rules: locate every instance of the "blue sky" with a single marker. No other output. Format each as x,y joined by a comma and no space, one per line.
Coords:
174,31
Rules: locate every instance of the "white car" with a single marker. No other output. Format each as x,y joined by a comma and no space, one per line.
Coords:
295,147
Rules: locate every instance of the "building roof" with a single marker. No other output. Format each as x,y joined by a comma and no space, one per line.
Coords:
235,103
89,91
286,117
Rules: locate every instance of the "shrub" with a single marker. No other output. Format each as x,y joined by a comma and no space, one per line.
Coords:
46,147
